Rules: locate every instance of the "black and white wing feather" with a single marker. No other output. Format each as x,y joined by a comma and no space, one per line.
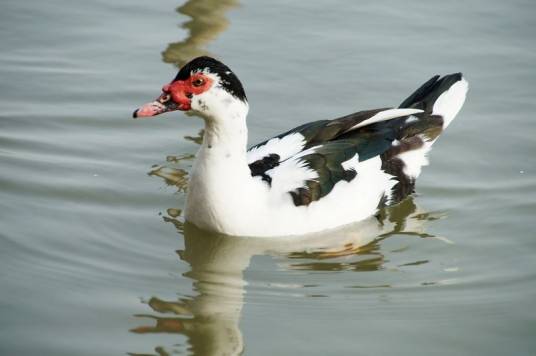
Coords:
315,153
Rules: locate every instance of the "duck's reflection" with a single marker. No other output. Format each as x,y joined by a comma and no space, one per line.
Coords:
206,23
210,320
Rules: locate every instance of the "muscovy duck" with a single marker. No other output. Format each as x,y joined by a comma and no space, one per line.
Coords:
317,176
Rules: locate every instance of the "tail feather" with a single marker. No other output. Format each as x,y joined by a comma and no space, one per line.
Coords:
440,99
440,96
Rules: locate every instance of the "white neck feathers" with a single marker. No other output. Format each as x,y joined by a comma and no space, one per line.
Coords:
225,121
221,176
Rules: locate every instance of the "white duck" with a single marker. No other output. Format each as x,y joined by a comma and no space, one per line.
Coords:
318,176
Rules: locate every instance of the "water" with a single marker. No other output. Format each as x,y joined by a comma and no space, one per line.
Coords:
95,258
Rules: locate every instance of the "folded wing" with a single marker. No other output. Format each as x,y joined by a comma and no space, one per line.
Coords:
308,161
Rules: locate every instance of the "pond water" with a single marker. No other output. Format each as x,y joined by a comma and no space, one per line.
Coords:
95,258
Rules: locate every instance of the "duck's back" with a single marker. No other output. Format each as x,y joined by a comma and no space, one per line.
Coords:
333,172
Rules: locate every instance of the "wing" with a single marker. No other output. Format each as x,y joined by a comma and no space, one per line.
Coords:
269,154
335,161
308,161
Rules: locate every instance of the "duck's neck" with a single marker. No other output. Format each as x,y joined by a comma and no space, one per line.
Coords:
226,134
221,177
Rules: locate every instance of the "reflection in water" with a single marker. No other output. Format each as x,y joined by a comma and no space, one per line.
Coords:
196,139
207,22
175,176
402,219
210,320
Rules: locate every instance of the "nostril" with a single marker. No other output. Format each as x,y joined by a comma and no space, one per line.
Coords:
165,98
189,95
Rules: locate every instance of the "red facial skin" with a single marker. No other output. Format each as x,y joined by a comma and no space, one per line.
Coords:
176,96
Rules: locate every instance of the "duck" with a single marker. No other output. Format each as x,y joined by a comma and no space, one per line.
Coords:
319,176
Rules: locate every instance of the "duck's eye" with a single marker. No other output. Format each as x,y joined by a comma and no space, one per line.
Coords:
198,82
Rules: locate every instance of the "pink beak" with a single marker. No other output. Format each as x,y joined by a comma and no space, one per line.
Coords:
150,109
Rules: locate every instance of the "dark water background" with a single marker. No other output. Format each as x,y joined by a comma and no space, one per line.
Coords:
95,260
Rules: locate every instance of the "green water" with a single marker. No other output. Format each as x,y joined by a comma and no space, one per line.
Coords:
95,258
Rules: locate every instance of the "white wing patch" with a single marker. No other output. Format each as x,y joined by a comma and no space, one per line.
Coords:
450,102
285,147
386,115
290,175
352,163
416,158
411,119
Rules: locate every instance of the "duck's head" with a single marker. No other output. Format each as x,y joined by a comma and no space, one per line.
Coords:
204,86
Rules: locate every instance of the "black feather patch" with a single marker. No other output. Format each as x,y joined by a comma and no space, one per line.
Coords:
425,97
405,186
259,167
318,132
429,126
326,161
405,145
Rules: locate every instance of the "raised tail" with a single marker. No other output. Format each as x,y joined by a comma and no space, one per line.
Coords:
440,99
440,96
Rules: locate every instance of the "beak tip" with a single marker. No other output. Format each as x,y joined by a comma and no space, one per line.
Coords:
135,113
